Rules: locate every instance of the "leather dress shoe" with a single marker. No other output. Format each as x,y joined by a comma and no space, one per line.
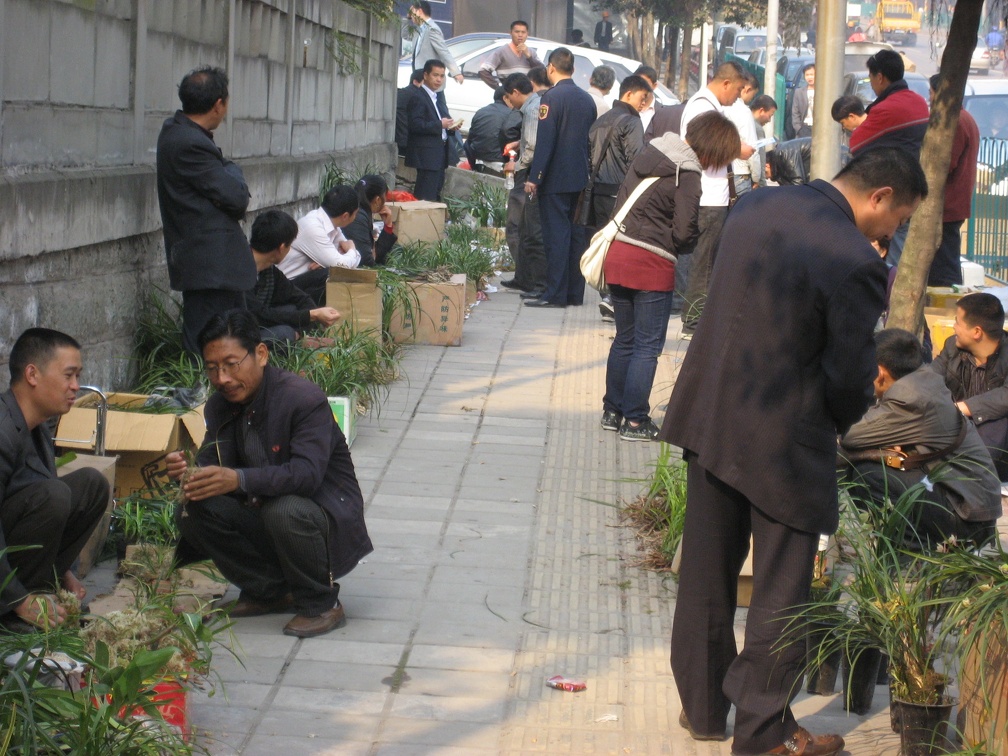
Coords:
512,284
542,303
309,627
684,723
533,294
246,607
804,743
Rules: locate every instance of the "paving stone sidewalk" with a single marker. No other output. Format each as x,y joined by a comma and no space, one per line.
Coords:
499,561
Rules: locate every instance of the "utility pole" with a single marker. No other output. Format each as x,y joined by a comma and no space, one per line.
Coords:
830,38
770,71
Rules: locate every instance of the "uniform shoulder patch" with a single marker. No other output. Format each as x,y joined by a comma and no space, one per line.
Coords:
543,111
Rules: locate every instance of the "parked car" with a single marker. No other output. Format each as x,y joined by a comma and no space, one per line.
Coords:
987,101
856,55
982,61
738,40
465,99
857,83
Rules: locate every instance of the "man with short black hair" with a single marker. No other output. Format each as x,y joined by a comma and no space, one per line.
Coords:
558,173
524,226
757,412
693,271
492,126
274,500
946,269
202,196
44,520
514,57
430,126
539,78
403,96
745,173
283,311
974,365
320,243
430,41
849,112
917,428
763,109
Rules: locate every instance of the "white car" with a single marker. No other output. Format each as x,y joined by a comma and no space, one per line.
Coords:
466,98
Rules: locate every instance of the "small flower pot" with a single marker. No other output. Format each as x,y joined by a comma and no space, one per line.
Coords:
860,673
821,670
923,727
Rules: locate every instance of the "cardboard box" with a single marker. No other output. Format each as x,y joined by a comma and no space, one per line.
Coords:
140,439
941,322
357,296
107,467
344,409
418,221
438,314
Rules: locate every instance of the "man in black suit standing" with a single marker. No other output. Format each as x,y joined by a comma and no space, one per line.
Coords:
558,173
202,196
403,97
782,361
603,32
429,125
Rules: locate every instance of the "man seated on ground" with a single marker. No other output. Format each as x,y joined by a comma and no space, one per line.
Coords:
320,243
50,518
274,501
974,364
283,311
915,415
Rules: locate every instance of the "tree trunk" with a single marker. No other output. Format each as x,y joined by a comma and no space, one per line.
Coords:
671,42
647,55
631,23
906,308
684,64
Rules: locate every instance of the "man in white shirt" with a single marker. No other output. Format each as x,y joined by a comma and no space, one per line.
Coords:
746,172
693,277
320,244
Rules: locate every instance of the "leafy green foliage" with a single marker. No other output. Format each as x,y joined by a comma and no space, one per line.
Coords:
157,345
335,174
463,250
659,512
486,204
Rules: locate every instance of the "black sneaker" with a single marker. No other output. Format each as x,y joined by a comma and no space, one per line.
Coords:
646,431
606,310
611,420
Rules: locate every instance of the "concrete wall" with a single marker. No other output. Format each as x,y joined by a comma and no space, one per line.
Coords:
85,86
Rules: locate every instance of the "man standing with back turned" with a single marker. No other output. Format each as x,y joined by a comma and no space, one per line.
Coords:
782,361
202,197
558,173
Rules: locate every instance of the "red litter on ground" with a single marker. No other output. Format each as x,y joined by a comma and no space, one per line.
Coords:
565,683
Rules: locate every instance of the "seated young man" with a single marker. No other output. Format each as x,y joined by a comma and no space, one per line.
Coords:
274,501
974,365
52,517
283,311
916,415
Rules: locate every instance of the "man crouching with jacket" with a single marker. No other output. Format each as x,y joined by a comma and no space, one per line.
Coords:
274,501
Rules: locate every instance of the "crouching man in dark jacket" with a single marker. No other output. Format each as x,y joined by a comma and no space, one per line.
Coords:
275,501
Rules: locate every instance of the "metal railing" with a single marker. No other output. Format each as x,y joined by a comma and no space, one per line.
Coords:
987,229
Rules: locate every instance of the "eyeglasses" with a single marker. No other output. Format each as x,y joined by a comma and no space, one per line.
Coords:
227,368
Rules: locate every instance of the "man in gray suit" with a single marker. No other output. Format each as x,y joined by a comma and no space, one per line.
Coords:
430,41
50,518
782,361
202,197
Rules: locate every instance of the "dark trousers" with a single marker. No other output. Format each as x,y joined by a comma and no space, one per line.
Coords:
931,519
313,283
564,243
199,306
710,221
709,672
641,326
525,237
57,516
267,551
430,179
945,268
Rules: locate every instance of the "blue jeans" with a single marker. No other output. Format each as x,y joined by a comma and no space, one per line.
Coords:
641,324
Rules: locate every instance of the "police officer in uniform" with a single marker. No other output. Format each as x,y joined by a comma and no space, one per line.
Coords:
558,173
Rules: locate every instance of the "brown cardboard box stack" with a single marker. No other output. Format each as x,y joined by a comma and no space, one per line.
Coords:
439,312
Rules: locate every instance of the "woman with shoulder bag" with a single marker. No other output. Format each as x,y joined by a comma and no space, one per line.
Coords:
640,264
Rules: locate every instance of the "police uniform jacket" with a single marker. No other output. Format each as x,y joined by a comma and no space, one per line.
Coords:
560,163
